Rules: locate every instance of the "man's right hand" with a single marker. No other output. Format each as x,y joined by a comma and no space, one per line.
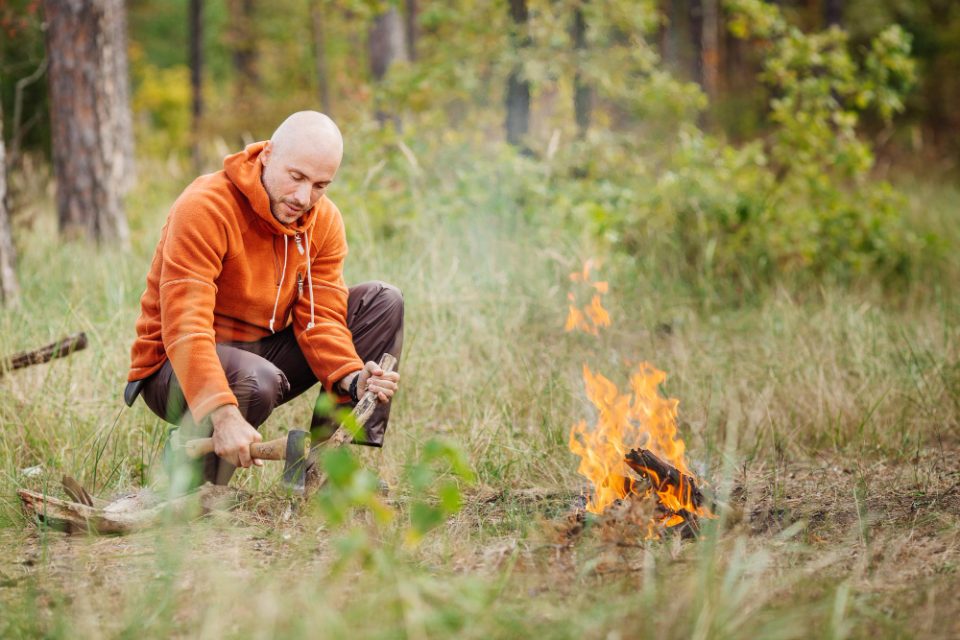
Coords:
232,436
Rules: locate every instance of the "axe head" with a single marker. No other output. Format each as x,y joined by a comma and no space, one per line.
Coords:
295,465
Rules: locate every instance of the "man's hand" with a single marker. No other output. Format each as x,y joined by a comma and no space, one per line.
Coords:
375,379
232,436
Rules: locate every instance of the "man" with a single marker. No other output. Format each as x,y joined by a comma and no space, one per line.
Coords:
245,306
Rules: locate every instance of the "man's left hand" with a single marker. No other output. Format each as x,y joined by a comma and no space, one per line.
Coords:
375,379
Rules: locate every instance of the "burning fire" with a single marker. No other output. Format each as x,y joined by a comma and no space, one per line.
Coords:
639,419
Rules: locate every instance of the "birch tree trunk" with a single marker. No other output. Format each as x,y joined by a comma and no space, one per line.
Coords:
8,277
90,116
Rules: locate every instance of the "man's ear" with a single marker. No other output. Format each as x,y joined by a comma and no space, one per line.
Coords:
265,153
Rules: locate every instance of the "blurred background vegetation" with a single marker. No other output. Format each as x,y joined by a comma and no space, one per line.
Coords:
730,143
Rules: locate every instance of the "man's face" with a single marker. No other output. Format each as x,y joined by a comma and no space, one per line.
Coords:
295,178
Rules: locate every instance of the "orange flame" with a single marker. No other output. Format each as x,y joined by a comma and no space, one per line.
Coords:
641,418
593,316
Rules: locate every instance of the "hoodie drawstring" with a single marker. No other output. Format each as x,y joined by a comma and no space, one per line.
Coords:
310,281
283,273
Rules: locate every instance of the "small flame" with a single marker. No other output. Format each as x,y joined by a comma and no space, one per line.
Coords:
593,316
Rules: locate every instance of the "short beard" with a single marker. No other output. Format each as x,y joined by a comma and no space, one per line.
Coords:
273,205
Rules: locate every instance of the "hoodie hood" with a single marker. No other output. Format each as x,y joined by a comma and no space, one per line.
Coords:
244,169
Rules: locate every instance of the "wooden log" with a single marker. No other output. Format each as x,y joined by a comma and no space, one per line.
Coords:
58,349
130,513
316,478
662,474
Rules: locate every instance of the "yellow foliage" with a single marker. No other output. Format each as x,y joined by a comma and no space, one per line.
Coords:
161,102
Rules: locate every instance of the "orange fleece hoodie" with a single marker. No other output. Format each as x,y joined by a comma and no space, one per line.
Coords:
225,270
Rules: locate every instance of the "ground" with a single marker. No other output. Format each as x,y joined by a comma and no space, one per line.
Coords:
886,529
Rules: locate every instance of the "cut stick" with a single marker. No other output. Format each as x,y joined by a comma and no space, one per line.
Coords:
59,349
361,413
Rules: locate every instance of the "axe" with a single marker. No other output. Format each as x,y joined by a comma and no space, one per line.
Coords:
292,448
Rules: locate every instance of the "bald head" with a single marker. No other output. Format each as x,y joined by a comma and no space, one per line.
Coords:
310,131
299,162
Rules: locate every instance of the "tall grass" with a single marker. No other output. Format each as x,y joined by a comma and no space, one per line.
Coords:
786,377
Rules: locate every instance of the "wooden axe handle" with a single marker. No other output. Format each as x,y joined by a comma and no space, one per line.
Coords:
270,450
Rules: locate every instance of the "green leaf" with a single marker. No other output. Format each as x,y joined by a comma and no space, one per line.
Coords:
340,464
424,517
450,498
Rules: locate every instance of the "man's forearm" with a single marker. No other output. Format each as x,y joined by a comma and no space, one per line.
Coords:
223,414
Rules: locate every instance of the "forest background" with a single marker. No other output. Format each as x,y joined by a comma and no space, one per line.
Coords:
769,188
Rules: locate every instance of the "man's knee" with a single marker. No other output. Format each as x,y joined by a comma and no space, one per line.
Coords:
259,390
391,298
376,299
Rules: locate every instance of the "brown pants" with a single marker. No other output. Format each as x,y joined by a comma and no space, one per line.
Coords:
269,372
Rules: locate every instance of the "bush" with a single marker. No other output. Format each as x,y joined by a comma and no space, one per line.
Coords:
797,205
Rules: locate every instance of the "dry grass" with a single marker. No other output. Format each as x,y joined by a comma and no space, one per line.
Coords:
828,421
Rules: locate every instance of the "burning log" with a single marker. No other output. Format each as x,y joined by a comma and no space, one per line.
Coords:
675,490
663,475
58,349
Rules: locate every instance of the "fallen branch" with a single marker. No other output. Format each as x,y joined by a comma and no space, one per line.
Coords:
59,349
130,513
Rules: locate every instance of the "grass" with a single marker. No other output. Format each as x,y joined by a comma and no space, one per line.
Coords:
828,422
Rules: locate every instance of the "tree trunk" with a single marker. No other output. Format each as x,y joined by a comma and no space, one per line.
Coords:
669,45
243,47
518,88
833,12
387,44
90,116
125,138
582,95
412,34
196,80
317,17
695,22
8,276
710,48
